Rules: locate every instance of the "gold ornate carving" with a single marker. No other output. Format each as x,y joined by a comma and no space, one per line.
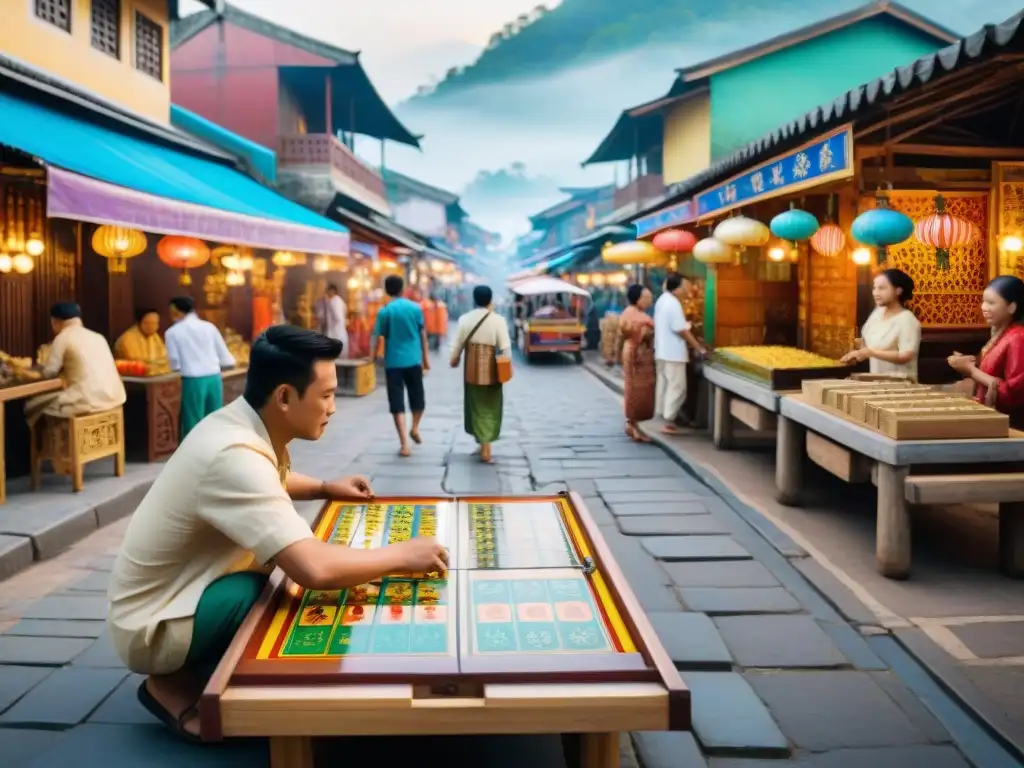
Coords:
71,442
98,434
1008,218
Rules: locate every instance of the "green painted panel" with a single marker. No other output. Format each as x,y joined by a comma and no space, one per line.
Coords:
761,95
710,301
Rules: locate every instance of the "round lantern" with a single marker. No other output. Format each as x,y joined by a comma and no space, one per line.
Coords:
674,242
794,225
882,227
711,250
633,252
942,231
117,245
829,241
183,253
741,232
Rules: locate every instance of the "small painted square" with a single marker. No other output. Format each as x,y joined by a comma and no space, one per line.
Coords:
394,614
306,641
430,593
364,594
349,640
431,614
493,612
429,639
496,638
398,593
567,589
358,614
390,639
315,597
576,610
582,636
491,591
318,616
534,612
529,591
540,636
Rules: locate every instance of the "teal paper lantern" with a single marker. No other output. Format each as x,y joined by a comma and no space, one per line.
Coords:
882,227
794,225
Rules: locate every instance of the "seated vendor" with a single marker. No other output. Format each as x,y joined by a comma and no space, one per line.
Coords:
182,584
142,341
83,359
997,375
892,333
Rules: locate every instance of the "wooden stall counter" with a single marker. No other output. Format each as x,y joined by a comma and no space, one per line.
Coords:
152,416
356,378
234,383
533,630
905,473
18,441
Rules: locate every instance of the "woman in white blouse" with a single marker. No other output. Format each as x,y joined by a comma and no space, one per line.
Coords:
892,334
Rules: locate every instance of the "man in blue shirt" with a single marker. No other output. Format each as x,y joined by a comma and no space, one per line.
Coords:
400,323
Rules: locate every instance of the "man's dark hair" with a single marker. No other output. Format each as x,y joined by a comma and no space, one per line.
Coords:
332,287
673,281
65,310
184,304
393,285
140,315
482,296
285,354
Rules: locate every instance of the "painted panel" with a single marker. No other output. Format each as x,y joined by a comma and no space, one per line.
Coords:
759,96
687,142
70,56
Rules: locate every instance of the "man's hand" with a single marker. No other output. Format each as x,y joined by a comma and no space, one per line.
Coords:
426,366
423,554
354,487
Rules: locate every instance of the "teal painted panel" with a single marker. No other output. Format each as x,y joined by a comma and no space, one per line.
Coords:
761,95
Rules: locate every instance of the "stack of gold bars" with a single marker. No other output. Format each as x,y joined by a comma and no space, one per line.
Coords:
903,410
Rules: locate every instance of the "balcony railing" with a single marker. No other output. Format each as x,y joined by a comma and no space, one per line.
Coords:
640,190
321,152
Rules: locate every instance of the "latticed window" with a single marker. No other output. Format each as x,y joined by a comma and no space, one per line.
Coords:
149,47
57,12
106,26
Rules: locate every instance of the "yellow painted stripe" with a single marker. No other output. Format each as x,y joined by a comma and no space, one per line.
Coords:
603,593
274,631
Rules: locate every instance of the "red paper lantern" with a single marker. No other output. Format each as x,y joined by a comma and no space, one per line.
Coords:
942,231
183,253
675,241
829,241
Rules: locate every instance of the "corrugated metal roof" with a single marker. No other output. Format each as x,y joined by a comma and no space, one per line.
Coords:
988,42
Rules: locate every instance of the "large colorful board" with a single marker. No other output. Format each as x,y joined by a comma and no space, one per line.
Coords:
521,595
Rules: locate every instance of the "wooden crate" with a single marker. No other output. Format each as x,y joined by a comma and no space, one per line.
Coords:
816,390
969,422
842,399
356,378
864,407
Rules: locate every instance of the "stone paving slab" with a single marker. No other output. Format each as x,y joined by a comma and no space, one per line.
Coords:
668,749
93,582
675,482
886,757
65,698
100,654
43,651
16,681
853,646
717,601
834,710
649,509
599,510
671,496
122,706
671,525
672,549
691,640
991,640
729,717
16,554
721,574
57,628
778,642
83,606
20,746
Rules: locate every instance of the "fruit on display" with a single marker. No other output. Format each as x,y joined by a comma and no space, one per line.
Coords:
131,367
777,358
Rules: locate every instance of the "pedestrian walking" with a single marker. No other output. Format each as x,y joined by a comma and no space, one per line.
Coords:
638,369
672,340
483,336
197,351
333,317
400,323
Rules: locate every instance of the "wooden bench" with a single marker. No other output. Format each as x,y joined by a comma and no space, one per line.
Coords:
356,378
69,443
1004,489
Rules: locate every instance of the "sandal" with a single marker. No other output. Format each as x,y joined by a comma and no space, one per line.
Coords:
175,725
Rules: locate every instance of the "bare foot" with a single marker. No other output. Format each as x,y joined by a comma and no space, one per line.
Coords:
639,436
670,429
415,435
404,451
485,454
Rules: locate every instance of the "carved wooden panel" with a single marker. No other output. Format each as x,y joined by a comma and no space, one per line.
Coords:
1007,215
164,418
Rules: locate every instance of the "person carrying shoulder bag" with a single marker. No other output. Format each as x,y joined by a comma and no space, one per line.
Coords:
483,337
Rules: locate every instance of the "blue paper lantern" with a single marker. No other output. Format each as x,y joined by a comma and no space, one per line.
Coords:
794,225
881,228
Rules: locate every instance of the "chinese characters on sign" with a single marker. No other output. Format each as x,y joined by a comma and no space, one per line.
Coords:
667,217
822,161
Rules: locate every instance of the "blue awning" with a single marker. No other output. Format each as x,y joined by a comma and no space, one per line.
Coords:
260,158
112,175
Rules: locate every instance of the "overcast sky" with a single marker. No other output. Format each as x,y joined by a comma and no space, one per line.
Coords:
404,42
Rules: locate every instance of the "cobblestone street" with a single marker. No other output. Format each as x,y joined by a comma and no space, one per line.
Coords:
778,676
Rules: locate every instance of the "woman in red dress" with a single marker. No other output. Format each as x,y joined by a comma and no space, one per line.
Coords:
637,330
998,373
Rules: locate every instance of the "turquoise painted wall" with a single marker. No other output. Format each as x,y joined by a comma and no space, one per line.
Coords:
759,96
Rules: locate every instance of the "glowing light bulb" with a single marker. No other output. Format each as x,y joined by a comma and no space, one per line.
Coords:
777,254
861,257
5,263
23,264
1011,244
35,246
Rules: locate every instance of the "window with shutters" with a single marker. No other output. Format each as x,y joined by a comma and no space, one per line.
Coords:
149,46
106,26
56,12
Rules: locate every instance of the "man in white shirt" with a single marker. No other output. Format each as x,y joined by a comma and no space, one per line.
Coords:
333,316
183,581
197,351
672,339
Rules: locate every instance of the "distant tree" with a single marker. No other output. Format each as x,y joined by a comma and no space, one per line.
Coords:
495,40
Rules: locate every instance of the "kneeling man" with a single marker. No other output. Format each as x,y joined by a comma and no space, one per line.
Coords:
183,581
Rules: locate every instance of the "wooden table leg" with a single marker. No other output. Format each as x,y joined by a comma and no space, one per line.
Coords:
789,461
1011,539
721,427
291,752
892,535
600,750
3,455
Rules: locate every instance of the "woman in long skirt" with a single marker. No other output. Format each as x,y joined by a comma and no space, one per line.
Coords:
637,329
482,335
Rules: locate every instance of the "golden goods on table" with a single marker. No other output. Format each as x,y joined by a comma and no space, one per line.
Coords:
781,368
903,410
237,347
16,370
